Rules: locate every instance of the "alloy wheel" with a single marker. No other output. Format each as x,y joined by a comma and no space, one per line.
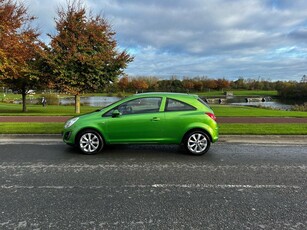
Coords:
89,143
197,143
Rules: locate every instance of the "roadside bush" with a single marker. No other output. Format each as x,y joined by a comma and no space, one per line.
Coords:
302,108
120,94
293,91
7,100
52,99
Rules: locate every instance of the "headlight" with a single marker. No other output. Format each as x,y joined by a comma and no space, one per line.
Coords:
70,122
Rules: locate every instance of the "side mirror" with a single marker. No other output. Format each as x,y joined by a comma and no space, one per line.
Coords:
116,113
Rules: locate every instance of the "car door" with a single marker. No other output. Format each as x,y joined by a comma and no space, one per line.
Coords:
138,120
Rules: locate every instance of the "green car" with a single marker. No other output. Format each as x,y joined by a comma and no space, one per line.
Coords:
147,118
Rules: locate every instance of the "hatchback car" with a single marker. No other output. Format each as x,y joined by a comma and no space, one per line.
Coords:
147,118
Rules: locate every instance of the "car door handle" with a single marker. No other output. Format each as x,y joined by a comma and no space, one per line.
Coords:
155,119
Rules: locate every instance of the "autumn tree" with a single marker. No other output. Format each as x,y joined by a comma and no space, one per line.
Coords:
123,83
209,83
188,84
239,84
198,86
152,82
20,49
222,84
83,54
173,85
139,84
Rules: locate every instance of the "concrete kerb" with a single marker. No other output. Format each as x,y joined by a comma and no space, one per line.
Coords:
265,139
24,138
252,139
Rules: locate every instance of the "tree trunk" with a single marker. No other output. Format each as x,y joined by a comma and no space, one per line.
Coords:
77,103
24,106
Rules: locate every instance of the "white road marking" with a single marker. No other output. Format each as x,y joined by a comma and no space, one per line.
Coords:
15,168
225,186
182,186
150,166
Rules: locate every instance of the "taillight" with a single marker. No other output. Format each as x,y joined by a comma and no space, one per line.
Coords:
211,115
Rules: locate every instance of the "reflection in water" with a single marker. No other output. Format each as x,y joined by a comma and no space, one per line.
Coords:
98,101
251,101
269,104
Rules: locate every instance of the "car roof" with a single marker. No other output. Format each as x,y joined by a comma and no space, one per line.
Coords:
167,94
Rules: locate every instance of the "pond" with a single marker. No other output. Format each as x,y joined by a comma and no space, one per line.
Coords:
267,104
252,101
98,101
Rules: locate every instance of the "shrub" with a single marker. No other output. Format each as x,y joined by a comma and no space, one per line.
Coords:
302,108
52,99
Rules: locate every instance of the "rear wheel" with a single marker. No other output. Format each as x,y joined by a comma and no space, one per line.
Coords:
197,142
90,142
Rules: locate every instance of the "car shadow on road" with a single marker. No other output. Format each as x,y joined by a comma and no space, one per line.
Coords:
134,150
122,153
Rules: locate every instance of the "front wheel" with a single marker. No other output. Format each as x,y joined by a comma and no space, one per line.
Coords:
90,142
197,143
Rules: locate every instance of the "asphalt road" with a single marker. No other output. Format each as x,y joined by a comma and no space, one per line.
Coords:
49,185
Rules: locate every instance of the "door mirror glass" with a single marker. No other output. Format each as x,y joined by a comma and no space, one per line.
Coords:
116,113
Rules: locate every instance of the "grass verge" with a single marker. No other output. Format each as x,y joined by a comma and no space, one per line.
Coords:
38,110
263,129
245,111
31,128
225,129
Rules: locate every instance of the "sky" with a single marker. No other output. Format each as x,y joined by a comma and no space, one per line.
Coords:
257,39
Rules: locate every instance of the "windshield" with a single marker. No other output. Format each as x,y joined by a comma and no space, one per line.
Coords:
108,105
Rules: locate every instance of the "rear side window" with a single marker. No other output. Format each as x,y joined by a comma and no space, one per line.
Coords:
175,105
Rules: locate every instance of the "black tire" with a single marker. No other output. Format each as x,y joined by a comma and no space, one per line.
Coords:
90,142
197,142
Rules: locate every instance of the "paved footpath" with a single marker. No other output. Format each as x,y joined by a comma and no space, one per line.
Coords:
219,119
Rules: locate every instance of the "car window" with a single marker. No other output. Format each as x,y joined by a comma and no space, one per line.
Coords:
137,106
175,105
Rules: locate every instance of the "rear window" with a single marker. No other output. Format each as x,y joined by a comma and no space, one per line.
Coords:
175,105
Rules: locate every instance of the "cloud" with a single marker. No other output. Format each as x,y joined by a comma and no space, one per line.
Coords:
196,37
299,34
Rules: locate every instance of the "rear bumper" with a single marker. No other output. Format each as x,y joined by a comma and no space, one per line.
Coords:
215,135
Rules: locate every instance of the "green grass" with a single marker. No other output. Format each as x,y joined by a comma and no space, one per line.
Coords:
38,110
31,128
263,129
245,111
